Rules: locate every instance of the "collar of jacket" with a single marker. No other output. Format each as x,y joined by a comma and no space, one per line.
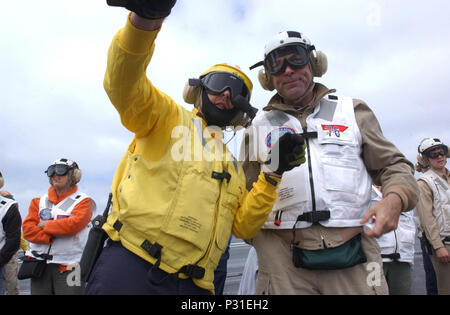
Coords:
276,102
215,132
53,196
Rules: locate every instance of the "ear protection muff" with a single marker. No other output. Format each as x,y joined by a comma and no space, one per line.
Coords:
318,62
76,175
265,80
421,163
74,171
191,91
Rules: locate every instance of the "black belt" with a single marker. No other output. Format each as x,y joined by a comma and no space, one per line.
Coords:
394,256
154,250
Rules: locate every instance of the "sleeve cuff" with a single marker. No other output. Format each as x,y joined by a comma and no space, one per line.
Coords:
437,244
135,40
398,190
274,181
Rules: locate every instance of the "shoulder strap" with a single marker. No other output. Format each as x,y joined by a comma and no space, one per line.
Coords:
108,205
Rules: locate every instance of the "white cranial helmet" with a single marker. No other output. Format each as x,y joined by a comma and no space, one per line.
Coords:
287,40
429,143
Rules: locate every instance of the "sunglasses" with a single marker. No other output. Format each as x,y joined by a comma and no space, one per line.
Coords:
58,169
434,154
296,56
217,82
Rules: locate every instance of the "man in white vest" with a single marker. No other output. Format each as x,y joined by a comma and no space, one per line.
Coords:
57,226
10,222
313,241
434,208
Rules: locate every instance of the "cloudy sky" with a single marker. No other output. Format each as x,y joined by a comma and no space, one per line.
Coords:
392,54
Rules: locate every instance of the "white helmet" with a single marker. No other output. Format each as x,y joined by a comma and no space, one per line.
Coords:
429,143
67,162
63,166
282,44
285,38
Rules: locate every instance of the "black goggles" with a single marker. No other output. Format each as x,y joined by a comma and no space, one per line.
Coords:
218,81
435,153
297,56
58,169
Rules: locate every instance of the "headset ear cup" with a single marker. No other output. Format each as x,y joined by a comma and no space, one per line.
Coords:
77,175
265,81
319,64
190,93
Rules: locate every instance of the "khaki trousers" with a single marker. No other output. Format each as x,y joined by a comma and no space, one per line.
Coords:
442,273
278,275
11,281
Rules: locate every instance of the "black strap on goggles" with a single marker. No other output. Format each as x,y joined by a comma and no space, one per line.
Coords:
218,81
239,99
275,62
437,151
58,169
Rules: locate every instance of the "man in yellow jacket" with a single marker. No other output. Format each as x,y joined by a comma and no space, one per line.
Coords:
178,193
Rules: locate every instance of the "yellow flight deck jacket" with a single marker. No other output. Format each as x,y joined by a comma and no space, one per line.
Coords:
177,192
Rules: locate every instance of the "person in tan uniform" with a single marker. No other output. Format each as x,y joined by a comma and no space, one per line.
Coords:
434,208
430,276
314,241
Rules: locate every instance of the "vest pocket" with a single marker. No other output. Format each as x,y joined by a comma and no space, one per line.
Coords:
341,180
231,193
192,216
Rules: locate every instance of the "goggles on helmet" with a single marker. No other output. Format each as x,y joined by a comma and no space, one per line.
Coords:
297,56
436,152
58,169
218,81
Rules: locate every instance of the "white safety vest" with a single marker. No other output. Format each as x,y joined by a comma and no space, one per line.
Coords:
65,250
441,201
341,182
399,243
5,204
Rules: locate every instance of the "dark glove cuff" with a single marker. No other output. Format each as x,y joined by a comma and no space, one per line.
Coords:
270,180
152,15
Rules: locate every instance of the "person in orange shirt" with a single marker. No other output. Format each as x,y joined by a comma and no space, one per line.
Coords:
57,226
